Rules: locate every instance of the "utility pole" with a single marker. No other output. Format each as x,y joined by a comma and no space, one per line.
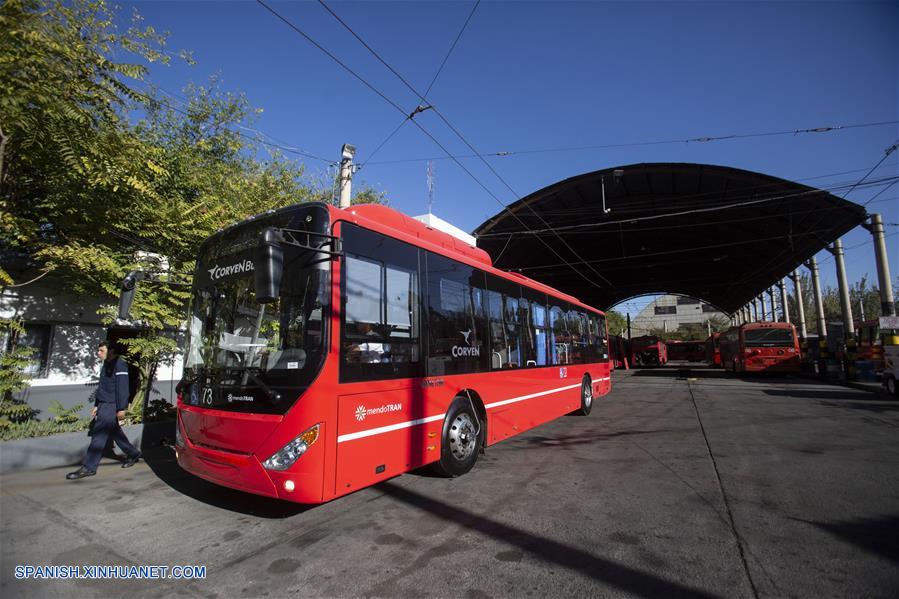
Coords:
819,308
783,300
800,307
887,304
773,304
845,307
346,174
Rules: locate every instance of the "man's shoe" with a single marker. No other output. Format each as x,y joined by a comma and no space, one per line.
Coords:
80,473
128,463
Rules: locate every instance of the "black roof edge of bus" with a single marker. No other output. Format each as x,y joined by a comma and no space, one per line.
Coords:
273,212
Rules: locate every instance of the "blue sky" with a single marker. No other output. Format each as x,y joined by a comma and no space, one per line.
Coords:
534,75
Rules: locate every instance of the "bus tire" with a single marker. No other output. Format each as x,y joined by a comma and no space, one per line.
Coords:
586,397
891,386
462,439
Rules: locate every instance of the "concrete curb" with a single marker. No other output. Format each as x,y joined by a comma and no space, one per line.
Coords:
65,449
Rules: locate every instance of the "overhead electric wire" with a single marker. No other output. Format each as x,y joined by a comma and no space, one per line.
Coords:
453,47
285,148
874,197
420,127
434,80
631,203
830,257
780,256
665,215
702,139
466,142
692,224
678,251
886,155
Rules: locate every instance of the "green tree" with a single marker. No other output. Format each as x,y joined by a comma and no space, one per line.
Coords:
617,323
99,175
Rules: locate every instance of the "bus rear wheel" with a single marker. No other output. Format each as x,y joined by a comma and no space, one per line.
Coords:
463,437
891,386
586,397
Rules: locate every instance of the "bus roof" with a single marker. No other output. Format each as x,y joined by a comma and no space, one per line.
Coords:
389,221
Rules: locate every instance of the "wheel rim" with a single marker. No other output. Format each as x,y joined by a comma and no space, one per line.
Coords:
588,394
462,437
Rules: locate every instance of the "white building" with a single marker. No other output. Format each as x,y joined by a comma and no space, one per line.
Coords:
670,313
63,332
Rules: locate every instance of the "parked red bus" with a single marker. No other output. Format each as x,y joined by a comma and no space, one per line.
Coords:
692,351
649,350
869,344
619,352
332,349
713,350
761,347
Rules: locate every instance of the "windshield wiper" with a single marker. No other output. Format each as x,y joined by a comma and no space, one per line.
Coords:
250,372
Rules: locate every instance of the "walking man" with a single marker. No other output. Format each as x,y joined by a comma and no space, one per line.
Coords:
109,408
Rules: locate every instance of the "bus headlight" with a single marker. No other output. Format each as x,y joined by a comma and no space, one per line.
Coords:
179,438
291,452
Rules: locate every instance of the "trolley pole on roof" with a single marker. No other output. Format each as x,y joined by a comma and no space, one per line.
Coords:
887,304
773,304
783,300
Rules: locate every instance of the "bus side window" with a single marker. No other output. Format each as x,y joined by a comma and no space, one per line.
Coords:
541,338
602,341
561,345
504,324
381,303
455,318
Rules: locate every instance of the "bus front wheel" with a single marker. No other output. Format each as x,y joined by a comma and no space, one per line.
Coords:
463,437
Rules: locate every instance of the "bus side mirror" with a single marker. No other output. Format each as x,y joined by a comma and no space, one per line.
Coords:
126,293
268,267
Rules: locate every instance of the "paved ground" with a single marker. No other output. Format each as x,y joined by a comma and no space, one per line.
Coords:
681,483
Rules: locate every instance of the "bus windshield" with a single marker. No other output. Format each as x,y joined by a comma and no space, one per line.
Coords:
247,356
768,338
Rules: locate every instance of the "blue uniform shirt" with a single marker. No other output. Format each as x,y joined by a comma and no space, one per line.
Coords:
113,386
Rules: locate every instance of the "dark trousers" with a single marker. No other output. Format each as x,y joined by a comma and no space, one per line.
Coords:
106,428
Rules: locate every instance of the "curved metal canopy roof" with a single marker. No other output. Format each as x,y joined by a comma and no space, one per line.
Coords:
715,233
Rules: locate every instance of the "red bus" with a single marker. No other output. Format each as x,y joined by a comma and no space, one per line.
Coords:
692,351
619,352
713,350
649,350
761,347
332,349
869,345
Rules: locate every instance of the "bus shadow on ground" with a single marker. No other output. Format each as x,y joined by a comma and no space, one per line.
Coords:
612,573
874,535
849,396
159,454
683,372
584,439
